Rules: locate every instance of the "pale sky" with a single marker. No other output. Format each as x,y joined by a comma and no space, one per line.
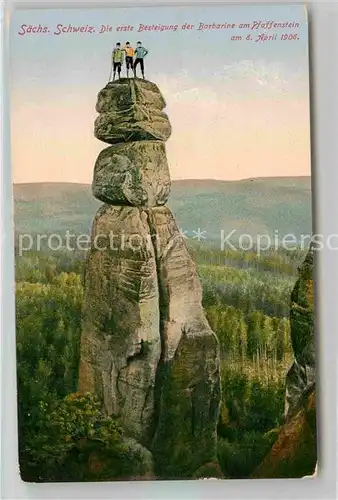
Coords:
238,109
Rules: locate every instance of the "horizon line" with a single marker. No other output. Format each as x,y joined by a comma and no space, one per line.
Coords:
179,180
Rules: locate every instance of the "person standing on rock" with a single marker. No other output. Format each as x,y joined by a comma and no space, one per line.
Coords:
140,53
129,57
117,61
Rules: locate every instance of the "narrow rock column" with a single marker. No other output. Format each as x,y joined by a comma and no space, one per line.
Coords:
146,348
301,375
188,374
121,343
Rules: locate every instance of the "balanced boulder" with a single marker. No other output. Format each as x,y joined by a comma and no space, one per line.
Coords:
131,110
135,173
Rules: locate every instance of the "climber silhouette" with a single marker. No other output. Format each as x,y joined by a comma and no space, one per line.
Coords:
140,53
117,61
129,51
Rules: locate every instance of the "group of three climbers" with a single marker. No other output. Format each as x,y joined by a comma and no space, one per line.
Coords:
128,53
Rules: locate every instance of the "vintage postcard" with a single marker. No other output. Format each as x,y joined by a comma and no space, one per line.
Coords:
162,196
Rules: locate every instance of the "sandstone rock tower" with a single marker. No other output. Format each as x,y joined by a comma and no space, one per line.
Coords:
301,376
146,348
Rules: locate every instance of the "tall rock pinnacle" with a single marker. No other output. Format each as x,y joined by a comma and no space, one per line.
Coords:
301,376
147,349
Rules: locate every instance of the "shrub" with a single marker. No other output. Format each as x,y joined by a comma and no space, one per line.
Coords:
66,428
238,459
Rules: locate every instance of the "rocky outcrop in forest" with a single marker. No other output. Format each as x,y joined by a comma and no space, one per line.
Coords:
147,350
301,376
294,453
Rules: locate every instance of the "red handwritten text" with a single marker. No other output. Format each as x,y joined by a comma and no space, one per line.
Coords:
69,28
27,29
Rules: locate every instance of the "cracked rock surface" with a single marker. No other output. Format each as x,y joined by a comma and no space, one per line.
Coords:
147,350
301,375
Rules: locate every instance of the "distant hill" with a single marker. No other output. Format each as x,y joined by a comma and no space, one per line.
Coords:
250,206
